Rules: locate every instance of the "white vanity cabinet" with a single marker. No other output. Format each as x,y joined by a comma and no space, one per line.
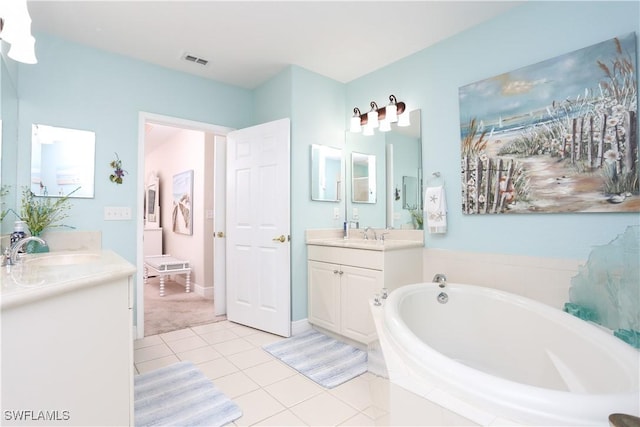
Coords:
342,280
67,349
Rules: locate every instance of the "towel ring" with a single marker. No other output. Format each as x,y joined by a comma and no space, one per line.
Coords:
436,176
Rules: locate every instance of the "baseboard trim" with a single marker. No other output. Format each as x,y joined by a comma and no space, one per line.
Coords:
300,326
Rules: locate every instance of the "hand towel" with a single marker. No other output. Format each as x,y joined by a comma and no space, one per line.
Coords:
435,206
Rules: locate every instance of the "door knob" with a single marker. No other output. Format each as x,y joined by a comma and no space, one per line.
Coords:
280,239
220,234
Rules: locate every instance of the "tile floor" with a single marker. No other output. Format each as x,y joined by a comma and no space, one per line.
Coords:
269,392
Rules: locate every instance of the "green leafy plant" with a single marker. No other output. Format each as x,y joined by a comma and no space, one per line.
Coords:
4,190
40,213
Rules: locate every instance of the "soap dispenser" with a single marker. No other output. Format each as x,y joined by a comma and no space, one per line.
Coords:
18,232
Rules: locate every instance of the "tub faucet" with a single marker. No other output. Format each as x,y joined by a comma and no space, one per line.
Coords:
440,279
13,252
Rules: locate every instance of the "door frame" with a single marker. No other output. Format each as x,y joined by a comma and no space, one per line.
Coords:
143,119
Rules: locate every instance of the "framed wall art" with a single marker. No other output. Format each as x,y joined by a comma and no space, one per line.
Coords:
182,214
557,136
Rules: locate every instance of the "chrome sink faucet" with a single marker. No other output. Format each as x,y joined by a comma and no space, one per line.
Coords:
13,252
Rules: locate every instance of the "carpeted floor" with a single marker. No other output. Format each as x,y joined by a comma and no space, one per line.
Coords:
176,309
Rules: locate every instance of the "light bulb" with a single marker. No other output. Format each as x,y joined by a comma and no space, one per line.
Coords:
404,120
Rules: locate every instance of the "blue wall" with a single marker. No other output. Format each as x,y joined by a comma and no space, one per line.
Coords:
82,88
78,87
429,80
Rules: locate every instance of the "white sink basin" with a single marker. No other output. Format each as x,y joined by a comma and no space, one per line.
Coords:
66,258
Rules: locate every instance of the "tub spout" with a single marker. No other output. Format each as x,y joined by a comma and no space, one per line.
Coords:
440,279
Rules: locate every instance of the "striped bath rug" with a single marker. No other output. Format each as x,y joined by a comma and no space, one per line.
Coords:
322,359
181,395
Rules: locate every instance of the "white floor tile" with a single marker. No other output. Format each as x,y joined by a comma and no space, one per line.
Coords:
199,355
154,364
217,368
294,390
228,348
359,419
236,384
257,406
284,418
152,352
147,341
186,344
263,338
269,372
177,335
354,392
210,327
323,410
249,358
216,337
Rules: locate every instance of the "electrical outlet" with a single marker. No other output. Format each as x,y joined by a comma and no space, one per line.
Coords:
336,213
117,213
355,214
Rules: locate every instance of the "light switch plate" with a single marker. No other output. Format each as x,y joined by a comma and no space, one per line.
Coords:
117,213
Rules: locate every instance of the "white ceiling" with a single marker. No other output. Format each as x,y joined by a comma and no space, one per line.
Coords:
248,42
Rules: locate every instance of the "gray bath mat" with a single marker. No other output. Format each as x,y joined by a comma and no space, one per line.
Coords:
322,359
181,395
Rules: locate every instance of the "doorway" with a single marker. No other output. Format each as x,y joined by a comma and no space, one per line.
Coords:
186,146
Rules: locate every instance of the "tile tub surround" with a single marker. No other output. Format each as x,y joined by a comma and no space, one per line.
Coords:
24,283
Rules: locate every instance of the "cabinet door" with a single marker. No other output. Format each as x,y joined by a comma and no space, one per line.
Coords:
324,295
358,286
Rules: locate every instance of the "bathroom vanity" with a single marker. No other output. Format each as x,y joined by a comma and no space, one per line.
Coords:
345,274
67,344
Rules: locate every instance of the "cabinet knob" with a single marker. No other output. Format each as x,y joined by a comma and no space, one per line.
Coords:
335,271
220,234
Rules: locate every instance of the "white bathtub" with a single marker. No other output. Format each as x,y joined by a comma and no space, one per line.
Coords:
492,356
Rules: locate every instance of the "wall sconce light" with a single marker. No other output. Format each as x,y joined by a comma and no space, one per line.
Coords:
380,118
15,29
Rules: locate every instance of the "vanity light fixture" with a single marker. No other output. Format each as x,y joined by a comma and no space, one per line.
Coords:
15,29
380,118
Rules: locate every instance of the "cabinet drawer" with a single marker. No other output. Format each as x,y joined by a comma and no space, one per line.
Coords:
347,256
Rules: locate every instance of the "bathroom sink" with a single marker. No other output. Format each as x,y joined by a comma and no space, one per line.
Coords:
60,259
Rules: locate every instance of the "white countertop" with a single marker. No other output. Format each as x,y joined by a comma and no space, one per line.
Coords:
394,239
40,276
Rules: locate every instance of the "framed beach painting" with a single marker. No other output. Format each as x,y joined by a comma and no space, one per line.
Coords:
557,136
182,213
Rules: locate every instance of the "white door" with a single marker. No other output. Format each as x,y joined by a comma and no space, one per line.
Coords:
219,225
258,206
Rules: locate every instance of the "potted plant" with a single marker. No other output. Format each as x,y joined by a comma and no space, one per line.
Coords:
40,213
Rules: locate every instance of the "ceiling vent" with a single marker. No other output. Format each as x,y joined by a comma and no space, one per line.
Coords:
195,59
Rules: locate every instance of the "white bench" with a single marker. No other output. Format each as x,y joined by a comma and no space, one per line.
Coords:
164,265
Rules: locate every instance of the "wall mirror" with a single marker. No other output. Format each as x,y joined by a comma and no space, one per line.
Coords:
399,153
363,178
62,160
8,145
409,192
326,173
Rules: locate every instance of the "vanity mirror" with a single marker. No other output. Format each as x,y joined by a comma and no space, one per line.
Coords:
409,192
326,173
8,144
363,178
61,161
398,154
